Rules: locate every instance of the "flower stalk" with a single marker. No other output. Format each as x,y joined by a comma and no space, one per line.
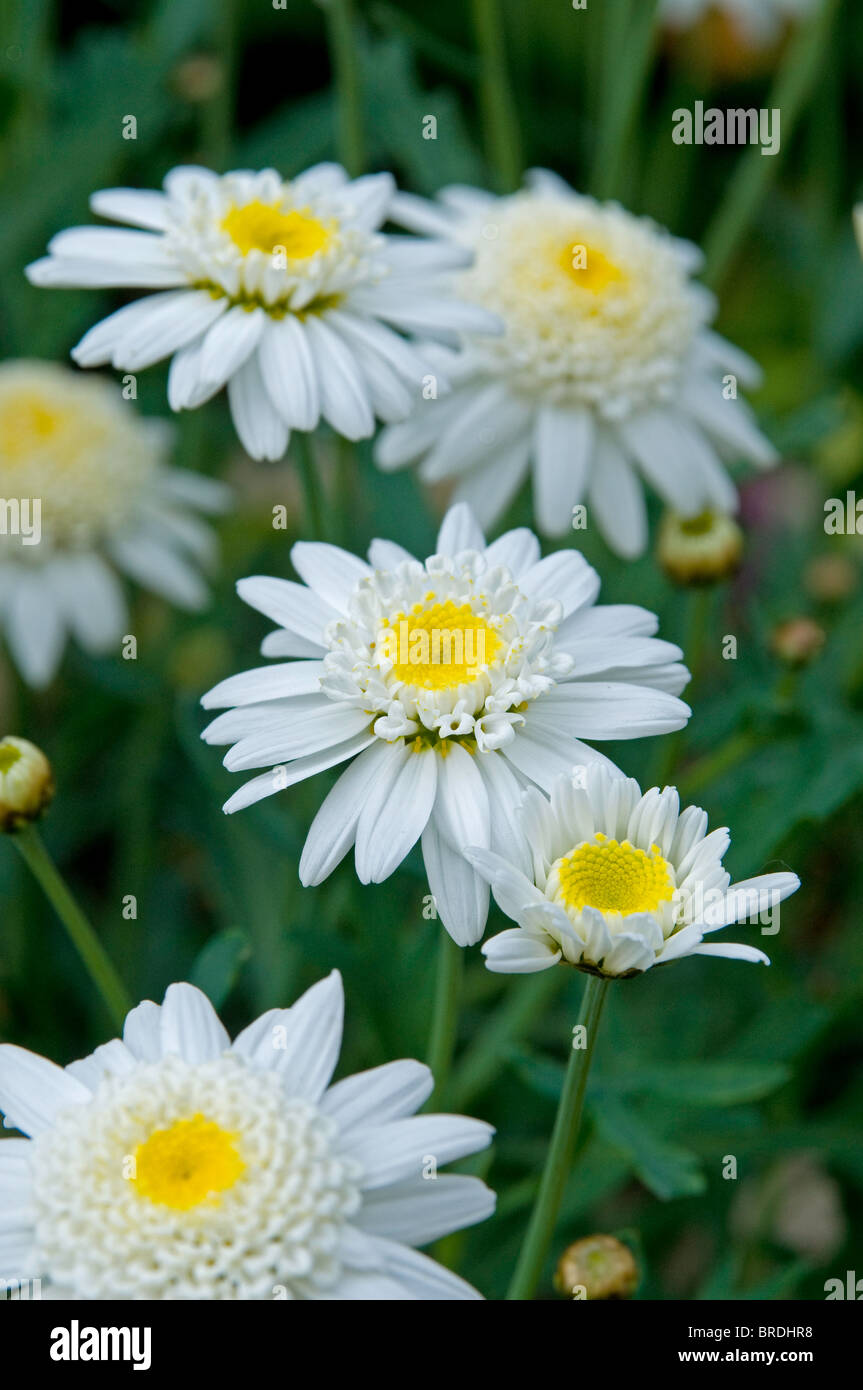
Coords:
448,986
29,844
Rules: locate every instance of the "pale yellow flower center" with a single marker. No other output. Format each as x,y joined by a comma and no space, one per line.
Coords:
589,268
259,226
615,877
440,646
190,1162
27,422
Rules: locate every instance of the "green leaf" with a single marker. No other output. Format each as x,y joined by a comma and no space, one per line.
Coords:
216,969
665,1168
708,1083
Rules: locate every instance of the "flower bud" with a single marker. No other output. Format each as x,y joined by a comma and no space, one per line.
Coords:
831,578
26,782
797,641
597,1267
701,549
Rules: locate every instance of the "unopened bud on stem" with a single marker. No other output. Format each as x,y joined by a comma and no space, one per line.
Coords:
26,782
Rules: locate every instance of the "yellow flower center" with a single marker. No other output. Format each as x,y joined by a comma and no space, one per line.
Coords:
188,1163
440,647
589,268
26,423
261,227
615,877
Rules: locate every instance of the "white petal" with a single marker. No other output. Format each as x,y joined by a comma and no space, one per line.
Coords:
35,629
140,207
459,531
396,812
266,683
288,371
229,343
387,555
519,952
460,895
301,1043
617,498
93,602
394,1151
565,576
389,1092
665,445
291,605
421,1211
262,431
142,1031
311,731
332,572
423,1278
344,397
518,550
33,1091
732,951
564,445
279,778
334,828
148,558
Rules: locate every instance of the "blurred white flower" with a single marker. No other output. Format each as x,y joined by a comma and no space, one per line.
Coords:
176,1164
620,881
438,749
90,494
607,368
285,292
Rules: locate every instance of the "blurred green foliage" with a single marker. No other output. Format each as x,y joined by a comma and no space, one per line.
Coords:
706,1060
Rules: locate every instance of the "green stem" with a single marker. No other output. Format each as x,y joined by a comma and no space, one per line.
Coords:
560,1151
695,642
310,479
217,117
791,89
344,57
29,844
450,970
503,140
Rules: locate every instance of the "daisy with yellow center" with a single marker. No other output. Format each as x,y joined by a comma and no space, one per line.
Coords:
445,684
87,493
175,1164
285,292
607,371
619,881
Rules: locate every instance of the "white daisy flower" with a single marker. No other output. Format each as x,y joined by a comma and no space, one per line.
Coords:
759,22
619,882
441,738
285,292
607,369
176,1164
91,494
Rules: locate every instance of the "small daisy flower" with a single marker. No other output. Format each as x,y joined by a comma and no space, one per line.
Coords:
175,1164
619,882
285,292
93,496
440,744
607,369
758,22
